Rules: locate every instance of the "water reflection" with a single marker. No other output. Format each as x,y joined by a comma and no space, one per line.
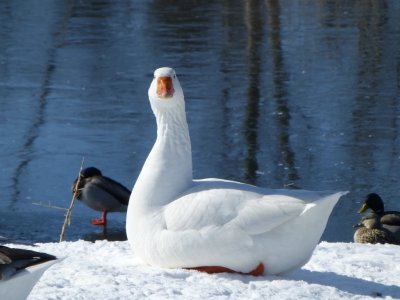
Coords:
104,233
33,132
280,79
375,126
254,25
279,93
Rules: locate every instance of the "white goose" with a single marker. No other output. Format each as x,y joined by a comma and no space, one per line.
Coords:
214,225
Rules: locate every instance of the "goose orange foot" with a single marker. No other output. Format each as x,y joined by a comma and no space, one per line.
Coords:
258,271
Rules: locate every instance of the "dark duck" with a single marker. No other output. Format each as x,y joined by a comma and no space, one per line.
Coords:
390,220
101,193
20,270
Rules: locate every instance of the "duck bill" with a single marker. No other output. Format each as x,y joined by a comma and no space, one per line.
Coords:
363,208
165,87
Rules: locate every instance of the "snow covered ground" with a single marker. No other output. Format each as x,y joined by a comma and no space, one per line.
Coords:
110,270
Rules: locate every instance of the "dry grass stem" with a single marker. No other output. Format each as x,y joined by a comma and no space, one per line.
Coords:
67,220
49,205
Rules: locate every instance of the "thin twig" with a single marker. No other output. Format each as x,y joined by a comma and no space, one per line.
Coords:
49,205
69,210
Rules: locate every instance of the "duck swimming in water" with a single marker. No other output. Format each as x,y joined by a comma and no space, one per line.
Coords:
371,231
390,220
214,225
20,270
101,193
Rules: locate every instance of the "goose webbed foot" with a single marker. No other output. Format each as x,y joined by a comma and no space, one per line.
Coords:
258,271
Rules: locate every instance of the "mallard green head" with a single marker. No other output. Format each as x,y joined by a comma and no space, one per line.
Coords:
374,202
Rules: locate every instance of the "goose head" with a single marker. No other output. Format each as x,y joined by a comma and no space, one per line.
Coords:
165,90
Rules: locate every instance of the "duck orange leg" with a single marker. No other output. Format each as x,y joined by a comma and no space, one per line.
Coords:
102,221
258,271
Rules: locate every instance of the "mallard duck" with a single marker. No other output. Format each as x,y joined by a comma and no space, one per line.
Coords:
20,270
371,231
214,225
390,219
101,193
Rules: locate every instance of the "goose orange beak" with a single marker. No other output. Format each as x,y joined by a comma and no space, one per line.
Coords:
165,87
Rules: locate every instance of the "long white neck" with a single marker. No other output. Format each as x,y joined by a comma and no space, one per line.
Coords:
167,171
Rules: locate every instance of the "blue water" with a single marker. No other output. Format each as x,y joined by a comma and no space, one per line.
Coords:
295,94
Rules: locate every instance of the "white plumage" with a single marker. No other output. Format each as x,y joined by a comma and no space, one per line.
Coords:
174,221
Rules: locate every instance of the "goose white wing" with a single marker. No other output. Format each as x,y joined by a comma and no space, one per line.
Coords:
214,205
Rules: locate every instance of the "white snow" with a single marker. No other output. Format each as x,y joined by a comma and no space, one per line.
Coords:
110,270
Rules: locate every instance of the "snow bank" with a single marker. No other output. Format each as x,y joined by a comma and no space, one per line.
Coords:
110,270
